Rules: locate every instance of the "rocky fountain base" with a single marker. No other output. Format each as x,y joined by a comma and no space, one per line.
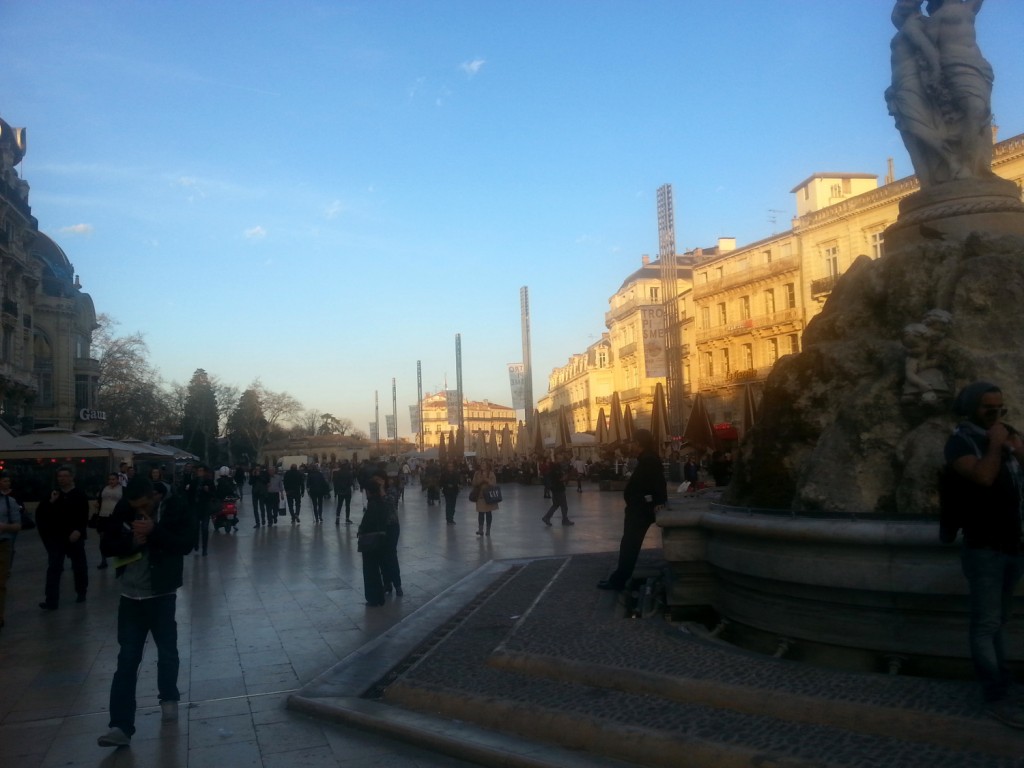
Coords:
827,541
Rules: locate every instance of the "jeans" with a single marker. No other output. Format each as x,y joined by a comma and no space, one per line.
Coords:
259,507
634,531
992,577
558,501
294,504
135,620
56,552
449,506
318,506
346,498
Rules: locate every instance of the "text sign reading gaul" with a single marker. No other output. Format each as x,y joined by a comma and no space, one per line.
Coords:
88,414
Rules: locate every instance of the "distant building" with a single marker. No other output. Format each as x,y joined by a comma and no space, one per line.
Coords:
584,385
478,415
48,377
742,308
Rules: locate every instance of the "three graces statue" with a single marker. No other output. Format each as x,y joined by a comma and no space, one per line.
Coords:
941,92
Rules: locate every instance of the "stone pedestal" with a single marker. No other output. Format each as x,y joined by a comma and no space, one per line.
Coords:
865,592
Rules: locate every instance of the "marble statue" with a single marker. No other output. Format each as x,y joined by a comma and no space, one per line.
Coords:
941,90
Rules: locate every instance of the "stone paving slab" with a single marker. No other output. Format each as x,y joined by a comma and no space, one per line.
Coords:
546,657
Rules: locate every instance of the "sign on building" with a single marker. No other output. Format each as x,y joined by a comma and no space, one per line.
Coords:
452,403
517,380
653,326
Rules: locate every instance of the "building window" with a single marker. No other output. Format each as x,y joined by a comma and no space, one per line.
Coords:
790,289
723,316
45,397
705,317
773,351
837,190
653,293
794,343
7,345
82,392
726,367
877,240
709,364
744,307
769,301
832,261
602,359
718,273
748,357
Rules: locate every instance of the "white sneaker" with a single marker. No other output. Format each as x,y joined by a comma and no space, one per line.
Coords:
115,737
169,711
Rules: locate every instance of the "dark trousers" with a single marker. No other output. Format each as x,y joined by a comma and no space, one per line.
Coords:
558,500
56,552
373,584
346,498
259,507
634,530
202,528
318,506
449,506
294,504
135,620
273,502
390,573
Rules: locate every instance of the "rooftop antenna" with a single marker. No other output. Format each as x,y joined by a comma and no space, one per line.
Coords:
773,217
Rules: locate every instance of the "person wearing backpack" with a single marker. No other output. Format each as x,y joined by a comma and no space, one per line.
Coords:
986,456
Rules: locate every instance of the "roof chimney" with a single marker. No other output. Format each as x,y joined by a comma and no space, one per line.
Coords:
645,259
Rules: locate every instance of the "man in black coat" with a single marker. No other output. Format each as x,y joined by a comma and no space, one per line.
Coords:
294,487
646,494
62,519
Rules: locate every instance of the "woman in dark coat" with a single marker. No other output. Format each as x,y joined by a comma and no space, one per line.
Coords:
372,538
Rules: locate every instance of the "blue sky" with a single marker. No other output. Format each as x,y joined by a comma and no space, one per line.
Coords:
319,194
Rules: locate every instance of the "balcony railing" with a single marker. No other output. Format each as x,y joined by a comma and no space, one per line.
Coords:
627,350
750,324
823,286
629,306
748,275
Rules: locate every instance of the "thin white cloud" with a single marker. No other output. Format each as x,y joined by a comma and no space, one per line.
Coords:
77,229
334,209
472,67
255,233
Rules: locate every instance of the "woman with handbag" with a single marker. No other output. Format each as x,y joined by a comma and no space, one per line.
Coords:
372,538
483,479
108,497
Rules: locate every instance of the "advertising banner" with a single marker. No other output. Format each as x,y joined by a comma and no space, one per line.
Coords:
389,421
517,379
452,402
373,432
414,418
655,333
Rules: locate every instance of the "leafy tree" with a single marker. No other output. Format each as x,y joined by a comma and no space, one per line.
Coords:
257,417
332,425
199,420
129,390
247,427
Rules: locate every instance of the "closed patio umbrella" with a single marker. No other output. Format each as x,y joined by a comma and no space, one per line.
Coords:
460,445
616,430
601,436
442,450
627,423
698,430
563,438
507,451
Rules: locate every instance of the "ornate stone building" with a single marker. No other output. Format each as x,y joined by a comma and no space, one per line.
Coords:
742,308
584,385
477,415
753,303
47,375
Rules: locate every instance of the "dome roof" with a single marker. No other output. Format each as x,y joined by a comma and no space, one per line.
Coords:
53,257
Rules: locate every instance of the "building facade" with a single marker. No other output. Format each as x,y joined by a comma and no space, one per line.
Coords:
742,308
48,377
478,415
584,386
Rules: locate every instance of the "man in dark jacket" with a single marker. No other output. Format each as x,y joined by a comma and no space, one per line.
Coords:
62,519
294,486
201,493
343,481
646,494
148,536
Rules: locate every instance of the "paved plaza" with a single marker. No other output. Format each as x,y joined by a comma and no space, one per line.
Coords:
500,653
264,614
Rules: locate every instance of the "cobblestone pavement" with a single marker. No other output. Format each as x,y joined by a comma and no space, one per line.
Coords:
264,614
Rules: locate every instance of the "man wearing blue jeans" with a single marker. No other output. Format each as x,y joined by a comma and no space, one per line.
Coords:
148,536
986,457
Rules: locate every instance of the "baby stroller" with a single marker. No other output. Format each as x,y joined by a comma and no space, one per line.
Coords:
227,516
